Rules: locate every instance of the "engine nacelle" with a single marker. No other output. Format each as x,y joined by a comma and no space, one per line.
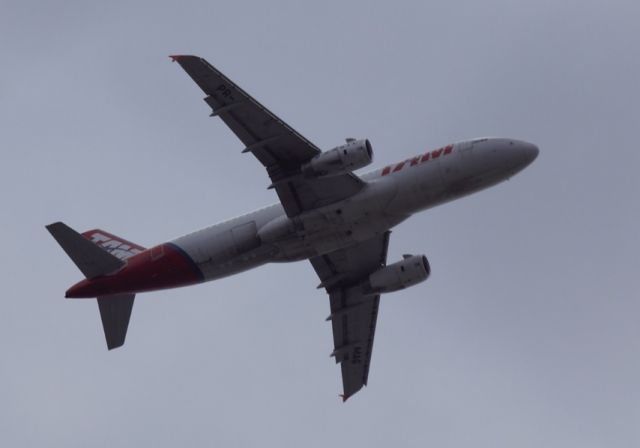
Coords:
355,154
410,271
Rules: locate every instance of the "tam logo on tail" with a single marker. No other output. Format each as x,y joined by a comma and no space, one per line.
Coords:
117,247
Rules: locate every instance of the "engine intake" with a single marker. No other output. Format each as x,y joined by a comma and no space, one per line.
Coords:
346,158
413,269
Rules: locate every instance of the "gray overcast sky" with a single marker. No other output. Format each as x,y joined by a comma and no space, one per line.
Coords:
525,335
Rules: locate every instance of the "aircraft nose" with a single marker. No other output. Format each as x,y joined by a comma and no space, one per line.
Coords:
524,153
530,152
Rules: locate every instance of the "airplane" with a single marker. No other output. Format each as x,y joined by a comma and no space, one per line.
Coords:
327,214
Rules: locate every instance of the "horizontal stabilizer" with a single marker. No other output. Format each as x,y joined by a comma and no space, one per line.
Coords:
91,259
115,311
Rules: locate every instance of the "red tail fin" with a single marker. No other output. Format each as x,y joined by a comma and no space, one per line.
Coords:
116,246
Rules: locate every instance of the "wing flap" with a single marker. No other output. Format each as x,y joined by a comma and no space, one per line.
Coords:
353,315
353,335
280,149
247,118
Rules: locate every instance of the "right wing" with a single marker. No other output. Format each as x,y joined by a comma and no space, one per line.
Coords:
353,315
275,144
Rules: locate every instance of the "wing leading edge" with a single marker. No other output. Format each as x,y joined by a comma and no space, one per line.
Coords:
353,314
280,149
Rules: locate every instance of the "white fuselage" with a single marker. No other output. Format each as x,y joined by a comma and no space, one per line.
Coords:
390,196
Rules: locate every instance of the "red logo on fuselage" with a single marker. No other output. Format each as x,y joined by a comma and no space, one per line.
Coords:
113,246
429,155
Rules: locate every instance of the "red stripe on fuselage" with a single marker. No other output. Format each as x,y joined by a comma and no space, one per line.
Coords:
161,267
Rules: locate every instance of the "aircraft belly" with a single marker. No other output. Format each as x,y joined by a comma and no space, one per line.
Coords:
225,253
212,270
323,231
331,237
269,235
231,247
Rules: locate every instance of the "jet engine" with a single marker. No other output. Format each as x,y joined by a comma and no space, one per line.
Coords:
355,154
409,271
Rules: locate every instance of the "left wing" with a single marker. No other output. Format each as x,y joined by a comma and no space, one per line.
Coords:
353,315
275,144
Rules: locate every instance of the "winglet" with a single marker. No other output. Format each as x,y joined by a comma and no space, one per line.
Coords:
178,57
344,397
